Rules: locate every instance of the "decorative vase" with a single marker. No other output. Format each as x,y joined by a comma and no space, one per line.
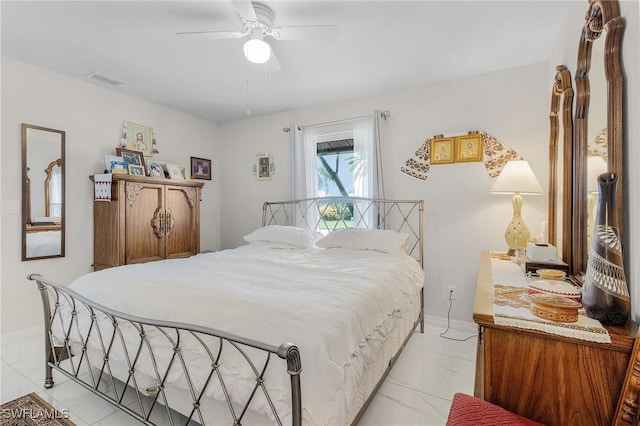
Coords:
605,295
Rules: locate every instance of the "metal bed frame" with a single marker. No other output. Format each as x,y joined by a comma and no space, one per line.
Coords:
70,317
314,213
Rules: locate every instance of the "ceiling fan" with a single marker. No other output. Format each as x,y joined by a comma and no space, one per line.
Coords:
257,19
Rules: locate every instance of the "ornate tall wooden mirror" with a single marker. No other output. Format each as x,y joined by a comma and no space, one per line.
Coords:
43,171
560,154
598,120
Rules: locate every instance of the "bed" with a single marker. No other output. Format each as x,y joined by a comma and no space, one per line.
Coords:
43,243
299,326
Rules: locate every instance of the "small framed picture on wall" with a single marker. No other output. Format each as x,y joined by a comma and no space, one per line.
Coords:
442,150
200,168
469,148
139,138
263,166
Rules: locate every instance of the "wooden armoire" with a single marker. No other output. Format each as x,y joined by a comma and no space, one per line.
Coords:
147,219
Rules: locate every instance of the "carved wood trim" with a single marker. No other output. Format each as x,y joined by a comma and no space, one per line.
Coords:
627,413
170,222
602,19
158,221
561,92
190,194
132,190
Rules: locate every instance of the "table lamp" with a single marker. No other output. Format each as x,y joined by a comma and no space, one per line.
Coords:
516,178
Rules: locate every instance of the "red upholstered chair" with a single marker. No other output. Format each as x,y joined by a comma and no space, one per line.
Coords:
470,411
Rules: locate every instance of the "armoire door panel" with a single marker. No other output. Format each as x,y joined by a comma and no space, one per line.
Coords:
181,238
106,243
142,243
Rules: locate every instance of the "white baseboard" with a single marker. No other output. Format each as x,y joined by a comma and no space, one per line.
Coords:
469,327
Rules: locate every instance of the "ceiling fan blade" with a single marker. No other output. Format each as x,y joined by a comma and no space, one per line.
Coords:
213,35
245,9
306,32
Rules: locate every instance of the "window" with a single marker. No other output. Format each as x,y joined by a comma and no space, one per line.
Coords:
336,165
335,170
336,159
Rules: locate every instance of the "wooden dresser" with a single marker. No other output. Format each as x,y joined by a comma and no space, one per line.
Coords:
555,380
147,219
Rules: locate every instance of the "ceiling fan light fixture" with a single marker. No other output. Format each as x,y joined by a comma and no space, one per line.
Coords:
257,51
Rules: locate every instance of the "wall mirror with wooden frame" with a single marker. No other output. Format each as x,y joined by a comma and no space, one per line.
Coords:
597,122
560,154
43,177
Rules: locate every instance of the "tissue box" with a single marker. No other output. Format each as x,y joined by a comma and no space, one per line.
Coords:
541,252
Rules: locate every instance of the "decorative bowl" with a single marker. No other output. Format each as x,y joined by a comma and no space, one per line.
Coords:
556,287
555,308
551,274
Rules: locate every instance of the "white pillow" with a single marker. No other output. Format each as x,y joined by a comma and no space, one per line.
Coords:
383,240
285,235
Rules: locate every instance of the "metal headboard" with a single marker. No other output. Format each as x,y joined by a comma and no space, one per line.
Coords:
331,213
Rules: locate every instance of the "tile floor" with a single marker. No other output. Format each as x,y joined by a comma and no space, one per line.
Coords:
418,391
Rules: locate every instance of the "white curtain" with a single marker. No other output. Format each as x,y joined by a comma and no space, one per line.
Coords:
377,179
368,181
368,174
303,182
303,157
363,154
366,147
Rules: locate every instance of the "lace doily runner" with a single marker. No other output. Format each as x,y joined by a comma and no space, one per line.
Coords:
511,307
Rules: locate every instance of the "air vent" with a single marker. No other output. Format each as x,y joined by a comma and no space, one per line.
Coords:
106,79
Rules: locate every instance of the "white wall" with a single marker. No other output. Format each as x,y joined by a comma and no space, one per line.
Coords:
566,52
92,118
461,217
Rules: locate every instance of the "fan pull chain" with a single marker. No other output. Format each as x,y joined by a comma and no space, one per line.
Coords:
248,110
266,99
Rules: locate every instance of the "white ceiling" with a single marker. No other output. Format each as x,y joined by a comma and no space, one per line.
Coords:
383,45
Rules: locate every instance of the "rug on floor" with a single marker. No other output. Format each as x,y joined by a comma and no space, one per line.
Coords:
31,410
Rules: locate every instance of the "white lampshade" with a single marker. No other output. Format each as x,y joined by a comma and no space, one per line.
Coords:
516,177
595,167
257,51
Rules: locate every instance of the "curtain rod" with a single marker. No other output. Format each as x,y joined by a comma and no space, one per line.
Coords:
383,114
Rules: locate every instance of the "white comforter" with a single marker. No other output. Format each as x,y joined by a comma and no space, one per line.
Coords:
45,243
326,301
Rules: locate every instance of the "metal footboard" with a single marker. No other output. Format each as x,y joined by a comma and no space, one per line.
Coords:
116,356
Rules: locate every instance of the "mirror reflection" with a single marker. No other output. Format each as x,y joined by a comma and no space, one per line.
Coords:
596,165
598,122
559,238
596,131
42,192
559,199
